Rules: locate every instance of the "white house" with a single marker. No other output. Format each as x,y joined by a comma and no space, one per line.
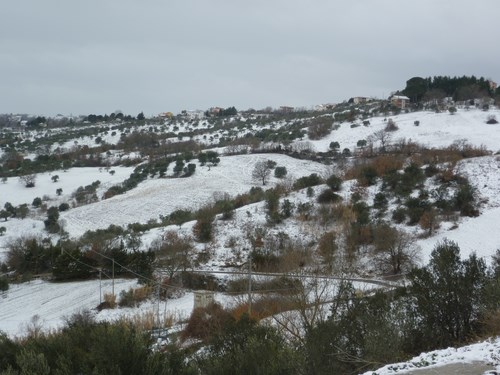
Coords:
400,101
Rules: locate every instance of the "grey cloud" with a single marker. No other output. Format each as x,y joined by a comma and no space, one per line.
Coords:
96,56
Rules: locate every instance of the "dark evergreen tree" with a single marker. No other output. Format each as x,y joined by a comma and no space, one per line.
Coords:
51,223
448,296
416,88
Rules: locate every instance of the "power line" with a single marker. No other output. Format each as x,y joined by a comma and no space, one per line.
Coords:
385,283
152,281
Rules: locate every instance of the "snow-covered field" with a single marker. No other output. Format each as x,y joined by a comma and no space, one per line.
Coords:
157,197
52,303
435,129
16,193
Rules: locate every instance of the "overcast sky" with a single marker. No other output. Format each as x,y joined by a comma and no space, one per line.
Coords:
98,56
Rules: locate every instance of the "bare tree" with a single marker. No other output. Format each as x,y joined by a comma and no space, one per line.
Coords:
381,136
261,171
309,309
173,253
314,301
429,221
327,248
434,95
305,146
396,250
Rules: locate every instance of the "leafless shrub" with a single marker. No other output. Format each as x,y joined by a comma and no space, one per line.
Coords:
320,127
134,296
206,322
395,250
28,180
391,126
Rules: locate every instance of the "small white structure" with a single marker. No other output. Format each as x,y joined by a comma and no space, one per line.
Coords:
359,99
203,298
400,101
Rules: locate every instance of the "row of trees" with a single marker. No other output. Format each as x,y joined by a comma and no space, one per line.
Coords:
93,118
70,260
222,112
159,166
460,88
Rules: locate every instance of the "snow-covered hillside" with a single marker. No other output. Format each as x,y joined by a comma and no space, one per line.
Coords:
160,196
14,191
434,130
478,234
157,197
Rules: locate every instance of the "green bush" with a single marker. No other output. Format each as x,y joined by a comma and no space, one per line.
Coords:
63,207
86,347
37,202
361,143
416,208
368,176
203,229
193,280
334,182
271,164
362,211
179,217
287,208
334,146
346,152
280,172
328,196
380,201
4,283
465,200
306,181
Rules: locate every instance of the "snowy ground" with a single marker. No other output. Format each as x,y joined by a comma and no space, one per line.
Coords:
435,129
479,234
54,302
157,197
16,193
50,301
487,352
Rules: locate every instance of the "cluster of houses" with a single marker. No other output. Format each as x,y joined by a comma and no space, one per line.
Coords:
399,101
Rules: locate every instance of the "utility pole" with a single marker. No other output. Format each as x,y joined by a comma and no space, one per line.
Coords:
62,223
100,288
113,288
249,285
158,308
